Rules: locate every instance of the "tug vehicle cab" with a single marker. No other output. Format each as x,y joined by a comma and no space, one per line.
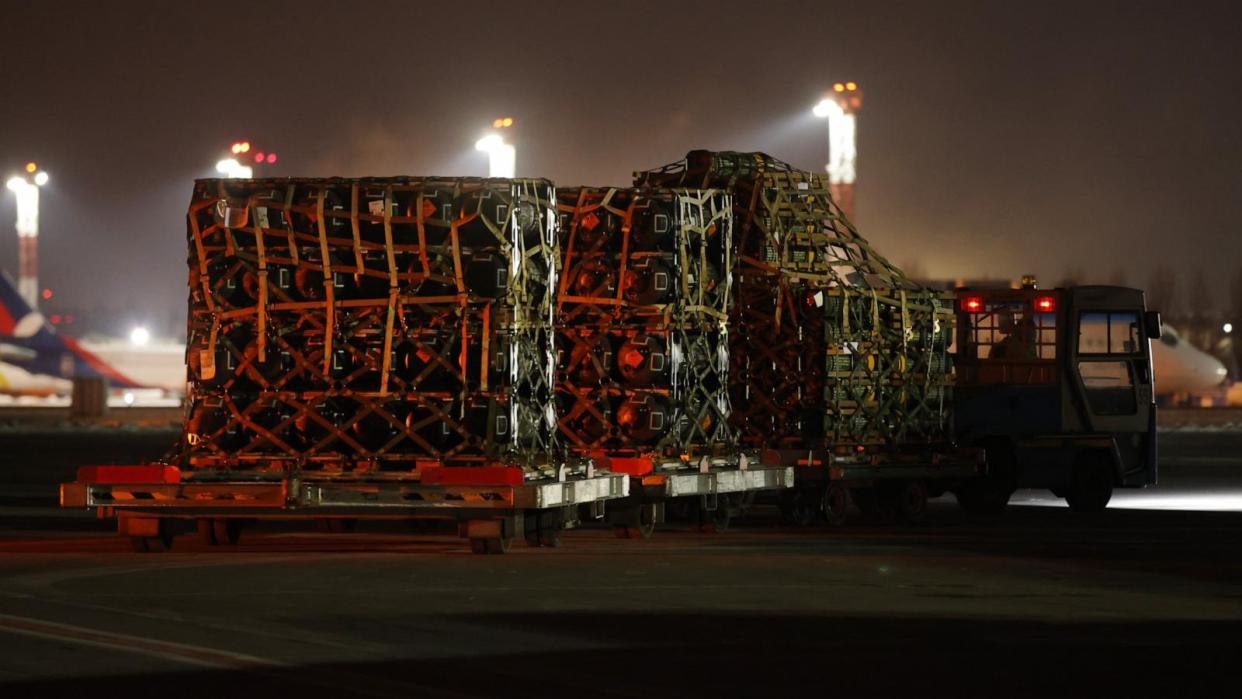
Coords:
1056,386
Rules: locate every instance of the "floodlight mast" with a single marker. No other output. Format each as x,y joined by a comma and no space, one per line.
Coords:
26,189
840,107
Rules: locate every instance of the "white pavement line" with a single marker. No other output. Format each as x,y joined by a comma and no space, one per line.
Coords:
177,652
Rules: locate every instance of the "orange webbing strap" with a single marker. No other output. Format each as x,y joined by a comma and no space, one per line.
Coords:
420,219
201,252
261,251
287,208
462,357
353,224
392,258
330,291
569,247
223,197
626,222
387,366
486,359
780,295
461,302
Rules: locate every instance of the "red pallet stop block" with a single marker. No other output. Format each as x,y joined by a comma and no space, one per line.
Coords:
634,466
472,475
129,474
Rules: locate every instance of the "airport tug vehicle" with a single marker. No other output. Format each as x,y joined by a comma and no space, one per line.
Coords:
1057,387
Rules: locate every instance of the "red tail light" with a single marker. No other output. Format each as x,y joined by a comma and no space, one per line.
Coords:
972,304
1045,304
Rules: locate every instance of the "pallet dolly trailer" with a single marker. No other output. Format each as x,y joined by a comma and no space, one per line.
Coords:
492,505
710,493
879,484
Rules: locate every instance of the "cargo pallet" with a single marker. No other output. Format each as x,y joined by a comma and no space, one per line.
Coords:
492,506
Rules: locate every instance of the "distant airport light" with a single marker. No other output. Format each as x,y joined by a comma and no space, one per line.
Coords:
236,148
501,157
32,166
851,86
1227,328
1045,304
229,167
245,146
259,156
838,87
271,158
55,319
824,107
40,178
47,294
16,184
139,336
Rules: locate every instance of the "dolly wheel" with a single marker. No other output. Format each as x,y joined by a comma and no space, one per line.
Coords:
719,519
207,531
489,545
152,544
836,503
219,532
227,531
800,508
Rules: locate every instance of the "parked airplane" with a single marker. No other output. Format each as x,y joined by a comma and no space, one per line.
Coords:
36,360
1181,369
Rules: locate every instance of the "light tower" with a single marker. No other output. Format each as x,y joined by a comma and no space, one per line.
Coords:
26,188
501,156
840,108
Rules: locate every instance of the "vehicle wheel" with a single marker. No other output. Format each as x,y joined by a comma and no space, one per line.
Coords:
207,531
800,507
870,504
910,502
550,538
1092,487
836,503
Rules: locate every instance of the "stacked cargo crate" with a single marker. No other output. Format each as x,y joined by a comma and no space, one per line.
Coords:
370,327
831,344
642,323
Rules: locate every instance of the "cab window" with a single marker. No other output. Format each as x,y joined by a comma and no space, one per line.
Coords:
1011,331
1109,333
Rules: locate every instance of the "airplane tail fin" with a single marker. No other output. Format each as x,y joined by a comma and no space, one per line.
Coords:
17,318
55,355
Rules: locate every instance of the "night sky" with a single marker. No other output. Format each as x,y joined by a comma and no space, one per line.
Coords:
995,138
